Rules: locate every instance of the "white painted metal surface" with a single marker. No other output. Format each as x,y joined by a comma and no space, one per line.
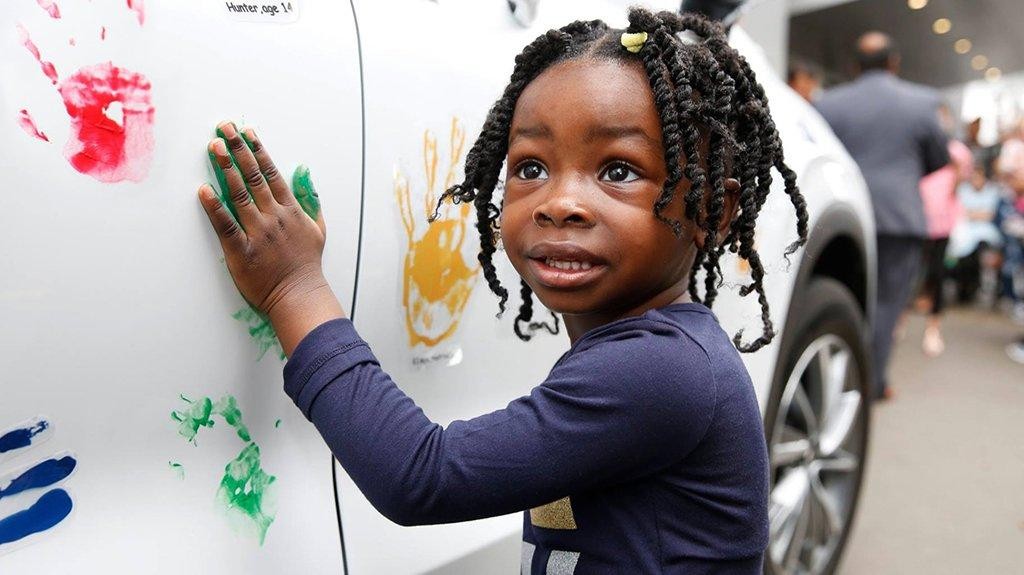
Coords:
116,301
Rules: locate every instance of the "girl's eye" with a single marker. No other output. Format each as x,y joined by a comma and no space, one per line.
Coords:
531,171
619,173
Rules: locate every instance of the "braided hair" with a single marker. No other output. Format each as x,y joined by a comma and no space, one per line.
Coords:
704,93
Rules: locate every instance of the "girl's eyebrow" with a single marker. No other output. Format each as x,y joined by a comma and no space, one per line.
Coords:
616,132
541,132
593,134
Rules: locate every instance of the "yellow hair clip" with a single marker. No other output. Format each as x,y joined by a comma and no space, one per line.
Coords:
633,42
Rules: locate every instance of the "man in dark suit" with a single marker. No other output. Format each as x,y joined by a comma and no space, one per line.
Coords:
891,130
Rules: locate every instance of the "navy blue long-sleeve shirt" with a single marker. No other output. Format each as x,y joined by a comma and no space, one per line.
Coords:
642,452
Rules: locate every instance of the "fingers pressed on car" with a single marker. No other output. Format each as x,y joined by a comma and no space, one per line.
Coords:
277,183
237,193
231,235
252,176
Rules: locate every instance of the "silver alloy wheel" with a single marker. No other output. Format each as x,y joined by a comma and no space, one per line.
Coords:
817,449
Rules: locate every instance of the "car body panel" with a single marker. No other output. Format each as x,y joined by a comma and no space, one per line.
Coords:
108,330
115,299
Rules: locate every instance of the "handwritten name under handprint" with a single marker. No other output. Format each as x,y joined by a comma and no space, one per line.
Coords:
437,280
110,110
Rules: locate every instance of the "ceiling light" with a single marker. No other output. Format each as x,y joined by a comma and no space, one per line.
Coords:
942,25
917,4
963,46
993,74
979,62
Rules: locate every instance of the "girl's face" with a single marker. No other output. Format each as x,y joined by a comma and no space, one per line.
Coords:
585,166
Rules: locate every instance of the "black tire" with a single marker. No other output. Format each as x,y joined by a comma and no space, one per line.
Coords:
825,307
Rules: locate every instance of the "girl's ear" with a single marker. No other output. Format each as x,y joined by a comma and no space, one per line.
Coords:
732,205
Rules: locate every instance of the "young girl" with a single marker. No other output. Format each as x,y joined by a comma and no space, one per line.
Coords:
627,155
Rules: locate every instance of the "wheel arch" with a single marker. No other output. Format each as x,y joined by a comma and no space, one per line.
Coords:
837,248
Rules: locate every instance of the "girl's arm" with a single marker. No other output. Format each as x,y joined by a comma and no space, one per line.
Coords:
627,405
609,412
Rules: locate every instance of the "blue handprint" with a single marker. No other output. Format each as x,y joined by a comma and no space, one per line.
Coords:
53,506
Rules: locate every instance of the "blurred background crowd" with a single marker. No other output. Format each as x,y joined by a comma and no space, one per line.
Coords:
947,55
928,98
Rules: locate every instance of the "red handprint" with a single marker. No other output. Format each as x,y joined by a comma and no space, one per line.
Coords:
110,109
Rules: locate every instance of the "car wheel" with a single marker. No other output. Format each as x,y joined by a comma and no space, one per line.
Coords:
816,426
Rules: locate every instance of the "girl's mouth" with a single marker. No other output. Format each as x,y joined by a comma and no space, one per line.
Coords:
565,274
564,265
567,265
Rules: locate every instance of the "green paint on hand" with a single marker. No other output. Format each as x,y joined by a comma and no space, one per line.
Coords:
222,187
177,468
247,141
261,331
305,192
245,489
225,194
277,424
231,153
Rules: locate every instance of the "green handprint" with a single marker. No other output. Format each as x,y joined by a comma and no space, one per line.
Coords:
260,330
245,488
195,416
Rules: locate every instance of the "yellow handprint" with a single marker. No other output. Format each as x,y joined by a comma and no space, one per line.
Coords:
437,281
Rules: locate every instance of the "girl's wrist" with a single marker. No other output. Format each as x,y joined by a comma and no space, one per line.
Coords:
301,309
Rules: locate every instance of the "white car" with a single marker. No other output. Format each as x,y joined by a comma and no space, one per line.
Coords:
143,428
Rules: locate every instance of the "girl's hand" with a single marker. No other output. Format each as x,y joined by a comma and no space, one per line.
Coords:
273,249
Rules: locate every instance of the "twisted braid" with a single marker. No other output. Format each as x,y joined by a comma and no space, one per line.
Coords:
722,93
657,73
761,151
526,314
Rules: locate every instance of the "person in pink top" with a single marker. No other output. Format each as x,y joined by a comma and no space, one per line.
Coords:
1011,159
942,210
1011,171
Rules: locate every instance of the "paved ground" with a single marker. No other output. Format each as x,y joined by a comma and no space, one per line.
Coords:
944,491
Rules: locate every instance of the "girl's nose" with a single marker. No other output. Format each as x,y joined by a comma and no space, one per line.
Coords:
563,207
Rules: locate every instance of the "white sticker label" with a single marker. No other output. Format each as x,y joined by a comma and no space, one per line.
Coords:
270,12
450,357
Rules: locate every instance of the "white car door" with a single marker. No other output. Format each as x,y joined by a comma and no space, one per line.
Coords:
139,430
432,71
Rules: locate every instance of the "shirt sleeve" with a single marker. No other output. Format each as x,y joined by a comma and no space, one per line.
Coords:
621,407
